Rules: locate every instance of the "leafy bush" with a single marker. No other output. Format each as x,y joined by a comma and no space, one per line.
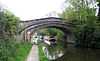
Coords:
87,26
8,23
7,50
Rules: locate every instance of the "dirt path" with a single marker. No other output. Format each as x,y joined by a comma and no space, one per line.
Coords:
33,55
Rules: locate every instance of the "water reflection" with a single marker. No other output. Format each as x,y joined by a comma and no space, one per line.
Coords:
80,54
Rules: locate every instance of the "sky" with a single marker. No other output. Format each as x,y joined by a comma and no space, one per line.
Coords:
33,9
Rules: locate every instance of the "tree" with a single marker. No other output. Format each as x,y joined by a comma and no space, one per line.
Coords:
80,14
8,23
12,22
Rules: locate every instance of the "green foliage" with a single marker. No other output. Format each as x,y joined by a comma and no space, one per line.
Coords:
98,1
86,25
22,51
12,22
6,49
53,31
42,56
8,23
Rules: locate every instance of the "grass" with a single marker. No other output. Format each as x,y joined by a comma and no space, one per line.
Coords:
22,51
42,57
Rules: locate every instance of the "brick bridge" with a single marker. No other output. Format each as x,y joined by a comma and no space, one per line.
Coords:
28,27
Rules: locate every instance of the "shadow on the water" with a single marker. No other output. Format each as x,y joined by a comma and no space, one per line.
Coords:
80,54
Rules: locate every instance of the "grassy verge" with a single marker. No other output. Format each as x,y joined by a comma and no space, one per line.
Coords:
42,57
22,51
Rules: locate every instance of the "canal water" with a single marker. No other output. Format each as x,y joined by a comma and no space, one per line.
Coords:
80,54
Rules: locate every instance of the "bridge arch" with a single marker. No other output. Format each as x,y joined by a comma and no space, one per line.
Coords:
50,22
